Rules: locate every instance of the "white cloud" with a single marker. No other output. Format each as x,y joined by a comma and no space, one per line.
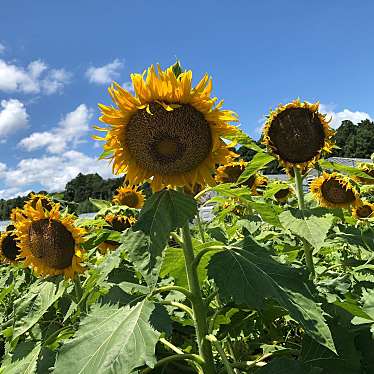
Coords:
52,172
35,78
69,131
346,114
104,74
2,48
13,117
128,86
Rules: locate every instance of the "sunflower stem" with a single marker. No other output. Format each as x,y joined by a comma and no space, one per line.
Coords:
200,225
308,250
198,306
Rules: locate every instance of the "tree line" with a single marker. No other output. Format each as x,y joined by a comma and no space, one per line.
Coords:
353,141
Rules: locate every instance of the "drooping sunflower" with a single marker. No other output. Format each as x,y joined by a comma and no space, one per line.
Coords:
363,211
367,168
284,194
9,249
49,241
334,191
129,196
230,172
46,201
297,133
119,223
168,131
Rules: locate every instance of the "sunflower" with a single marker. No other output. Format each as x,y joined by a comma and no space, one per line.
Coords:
257,183
9,249
363,211
367,168
334,191
15,213
230,172
129,196
284,194
297,133
47,202
49,241
117,223
168,131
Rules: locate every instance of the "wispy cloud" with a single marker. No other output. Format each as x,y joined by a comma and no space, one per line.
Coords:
67,133
2,48
35,78
104,74
13,117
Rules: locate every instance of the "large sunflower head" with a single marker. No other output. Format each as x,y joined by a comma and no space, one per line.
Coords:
363,211
334,191
367,168
9,249
49,241
297,133
129,196
168,130
46,201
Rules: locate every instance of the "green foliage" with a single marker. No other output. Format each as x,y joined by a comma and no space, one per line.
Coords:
111,340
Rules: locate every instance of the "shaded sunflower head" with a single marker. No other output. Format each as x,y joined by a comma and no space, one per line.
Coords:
284,194
119,222
367,168
257,183
168,130
9,249
297,133
334,191
129,196
45,201
230,172
363,211
49,241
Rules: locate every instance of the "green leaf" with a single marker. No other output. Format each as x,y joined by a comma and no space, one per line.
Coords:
258,162
242,138
268,212
24,360
285,365
30,309
249,276
344,169
163,212
100,204
311,225
174,266
110,340
273,188
368,308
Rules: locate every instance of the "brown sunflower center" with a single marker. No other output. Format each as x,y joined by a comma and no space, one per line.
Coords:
120,223
9,247
281,194
130,199
233,172
297,135
364,211
52,243
168,142
335,193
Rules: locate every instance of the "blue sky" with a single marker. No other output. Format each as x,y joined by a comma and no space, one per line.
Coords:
56,59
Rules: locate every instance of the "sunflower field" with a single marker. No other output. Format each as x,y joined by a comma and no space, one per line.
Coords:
280,278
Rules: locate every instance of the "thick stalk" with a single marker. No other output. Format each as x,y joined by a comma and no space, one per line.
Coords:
308,250
200,226
198,306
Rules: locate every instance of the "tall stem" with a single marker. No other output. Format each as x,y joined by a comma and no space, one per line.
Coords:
198,306
308,250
